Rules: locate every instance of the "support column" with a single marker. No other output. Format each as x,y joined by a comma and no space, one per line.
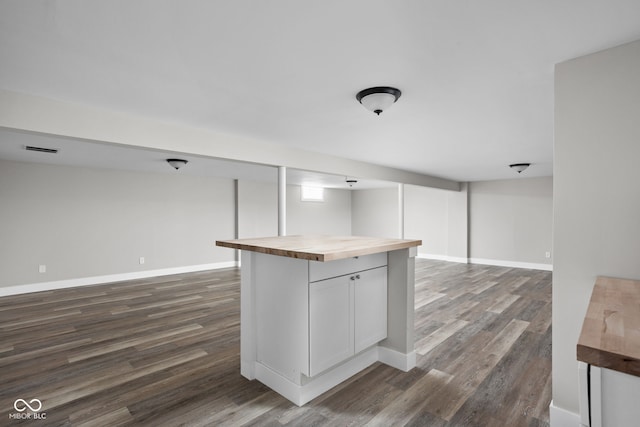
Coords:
248,326
236,231
282,201
401,211
397,349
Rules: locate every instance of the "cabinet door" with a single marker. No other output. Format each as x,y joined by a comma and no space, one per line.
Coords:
614,398
370,316
330,323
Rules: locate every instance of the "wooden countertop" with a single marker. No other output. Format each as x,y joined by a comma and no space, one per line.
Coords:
610,336
319,248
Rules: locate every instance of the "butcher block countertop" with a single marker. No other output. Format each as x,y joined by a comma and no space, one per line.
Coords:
610,336
319,248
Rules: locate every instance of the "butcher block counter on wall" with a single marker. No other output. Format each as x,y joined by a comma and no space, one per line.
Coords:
608,353
315,310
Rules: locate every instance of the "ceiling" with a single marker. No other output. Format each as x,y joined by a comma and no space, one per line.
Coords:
476,77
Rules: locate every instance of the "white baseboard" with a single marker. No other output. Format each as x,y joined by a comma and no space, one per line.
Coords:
395,359
301,394
443,258
97,280
484,261
513,264
559,417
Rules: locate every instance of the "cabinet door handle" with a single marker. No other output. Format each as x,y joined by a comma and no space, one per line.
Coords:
357,276
352,278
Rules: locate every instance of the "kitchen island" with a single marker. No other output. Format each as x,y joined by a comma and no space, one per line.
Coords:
315,310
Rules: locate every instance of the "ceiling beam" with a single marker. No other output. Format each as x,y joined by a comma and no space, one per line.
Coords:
24,112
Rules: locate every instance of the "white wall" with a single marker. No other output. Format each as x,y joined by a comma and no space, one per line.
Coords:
425,215
506,222
331,216
511,220
84,223
257,209
458,223
439,219
596,193
375,212
90,222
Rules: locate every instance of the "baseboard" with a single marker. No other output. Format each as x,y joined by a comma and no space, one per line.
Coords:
513,264
395,359
283,386
301,394
443,258
97,280
484,261
559,417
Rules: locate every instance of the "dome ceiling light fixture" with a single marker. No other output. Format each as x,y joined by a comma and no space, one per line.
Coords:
177,163
378,99
519,167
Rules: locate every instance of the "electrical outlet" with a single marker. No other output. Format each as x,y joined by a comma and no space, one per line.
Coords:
547,254
141,260
42,268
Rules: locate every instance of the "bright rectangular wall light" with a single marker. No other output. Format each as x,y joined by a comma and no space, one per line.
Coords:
312,194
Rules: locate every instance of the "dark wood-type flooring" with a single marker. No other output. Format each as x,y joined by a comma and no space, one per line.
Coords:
165,352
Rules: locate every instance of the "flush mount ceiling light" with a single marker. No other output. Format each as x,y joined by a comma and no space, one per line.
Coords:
519,167
177,163
378,99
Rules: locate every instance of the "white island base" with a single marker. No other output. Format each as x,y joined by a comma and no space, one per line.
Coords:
306,326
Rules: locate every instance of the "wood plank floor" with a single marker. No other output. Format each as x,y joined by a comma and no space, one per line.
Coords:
165,352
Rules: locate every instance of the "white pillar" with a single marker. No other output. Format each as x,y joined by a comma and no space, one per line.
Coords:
282,201
236,232
401,211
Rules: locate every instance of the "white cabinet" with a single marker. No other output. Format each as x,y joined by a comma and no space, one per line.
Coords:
347,314
306,326
608,398
330,323
608,352
370,308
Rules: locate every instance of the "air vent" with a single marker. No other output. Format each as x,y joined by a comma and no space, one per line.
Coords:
41,149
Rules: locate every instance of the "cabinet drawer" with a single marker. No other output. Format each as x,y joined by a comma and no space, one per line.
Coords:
326,270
